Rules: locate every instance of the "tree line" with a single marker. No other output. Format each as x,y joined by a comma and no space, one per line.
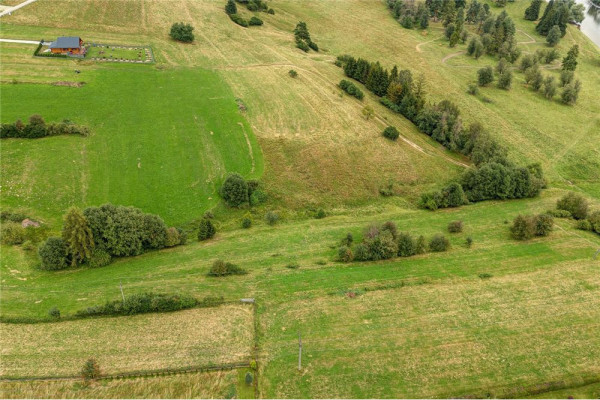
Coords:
404,94
38,128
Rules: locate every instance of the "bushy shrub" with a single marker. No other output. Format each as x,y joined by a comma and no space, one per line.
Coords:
12,216
246,222
90,370
54,313
575,204
222,268
28,245
348,240
238,19
313,46
485,76
351,89
99,258
271,11
302,46
258,197
248,379
584,225
271,217
345,254
522,228
439,243
560,213
543,224
361,252
12,233
206,230
473,89
235,190
320,214
594,219
182,32
292,73
173,238
231,7
255,21
455,227
406,245
469,242
53,254
381,247
452,195
391,133
420,245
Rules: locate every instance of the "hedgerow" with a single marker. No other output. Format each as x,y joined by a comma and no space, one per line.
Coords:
37,128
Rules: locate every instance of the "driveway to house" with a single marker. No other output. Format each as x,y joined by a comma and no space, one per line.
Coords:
15,8
20,41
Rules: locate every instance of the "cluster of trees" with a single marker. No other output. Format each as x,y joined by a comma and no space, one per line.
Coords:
497,37
410,14
182,32
548,85
302,37
351,89
577,207
385,242
485,75
257,5
254,5
524,227
38,128
557,15
238,192
97,234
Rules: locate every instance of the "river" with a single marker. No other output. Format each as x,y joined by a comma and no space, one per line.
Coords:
591,23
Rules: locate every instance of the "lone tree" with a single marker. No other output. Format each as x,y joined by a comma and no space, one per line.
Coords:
553,36
206,230
231,8
485,76
90,370
77,235
569,63
182,32
235,190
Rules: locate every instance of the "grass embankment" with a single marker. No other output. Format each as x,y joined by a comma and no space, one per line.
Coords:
191,338
160,140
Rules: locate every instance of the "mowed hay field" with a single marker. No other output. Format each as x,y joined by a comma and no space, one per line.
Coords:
197,337
208,385
497,337
160,140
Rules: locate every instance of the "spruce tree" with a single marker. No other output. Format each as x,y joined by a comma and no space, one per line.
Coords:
77,236
532,12
231,7
569,63
449,12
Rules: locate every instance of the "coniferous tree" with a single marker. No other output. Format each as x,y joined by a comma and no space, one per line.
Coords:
449,12
569,63
231,7
532,13
77,236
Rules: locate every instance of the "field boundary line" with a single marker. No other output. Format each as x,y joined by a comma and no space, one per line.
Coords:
137,374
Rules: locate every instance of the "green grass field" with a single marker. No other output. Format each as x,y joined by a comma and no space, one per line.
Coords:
162,140
164,136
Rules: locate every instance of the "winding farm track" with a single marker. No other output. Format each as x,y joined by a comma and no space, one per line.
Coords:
15,8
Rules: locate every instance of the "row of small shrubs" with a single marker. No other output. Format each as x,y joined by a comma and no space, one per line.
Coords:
38,52
385,242
525,227
97,234
254,5
238,192
147,303
351,89
37,128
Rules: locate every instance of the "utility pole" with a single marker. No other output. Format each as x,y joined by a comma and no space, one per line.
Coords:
122,295
299,352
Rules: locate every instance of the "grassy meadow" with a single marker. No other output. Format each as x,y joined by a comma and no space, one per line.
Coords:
500,319
197,337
